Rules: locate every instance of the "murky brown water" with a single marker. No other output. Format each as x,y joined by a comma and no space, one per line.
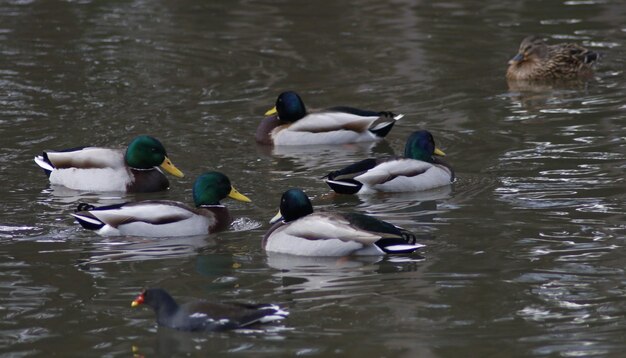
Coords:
525,253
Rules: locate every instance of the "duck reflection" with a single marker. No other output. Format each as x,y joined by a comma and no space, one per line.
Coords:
398,208
324,156
551,96
120,249
171,343
333,275
59,196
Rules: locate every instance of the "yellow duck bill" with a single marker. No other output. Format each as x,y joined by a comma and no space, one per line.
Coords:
169,167
271,112
234,194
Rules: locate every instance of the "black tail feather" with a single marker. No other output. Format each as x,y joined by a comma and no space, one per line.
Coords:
408,236
383,131
84,207
354,169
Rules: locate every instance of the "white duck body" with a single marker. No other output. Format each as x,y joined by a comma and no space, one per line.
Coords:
90,168
328,127
325,234
403,175
153,218
135,169
419,169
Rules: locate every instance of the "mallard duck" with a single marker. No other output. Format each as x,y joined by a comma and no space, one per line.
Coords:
205,316
104,169
161,218
289,123
419,169
300,231
537,60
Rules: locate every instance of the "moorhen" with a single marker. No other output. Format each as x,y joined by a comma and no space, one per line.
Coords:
204,315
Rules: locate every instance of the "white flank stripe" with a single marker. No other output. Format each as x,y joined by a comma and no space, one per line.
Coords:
340,183
43,164
402,247
87,219
279,311
379,126
271,318
398,116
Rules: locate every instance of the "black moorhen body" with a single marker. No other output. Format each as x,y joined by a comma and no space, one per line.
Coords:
204,315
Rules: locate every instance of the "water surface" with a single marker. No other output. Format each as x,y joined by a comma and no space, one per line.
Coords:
524,252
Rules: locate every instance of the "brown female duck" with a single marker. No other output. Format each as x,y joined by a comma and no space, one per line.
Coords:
536,60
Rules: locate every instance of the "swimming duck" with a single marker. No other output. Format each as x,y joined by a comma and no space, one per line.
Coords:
289,123
104,169
300,231
537,60
164,218
205,316
419,169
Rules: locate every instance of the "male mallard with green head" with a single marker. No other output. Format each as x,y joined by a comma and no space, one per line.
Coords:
164,218
103,169
289,123
419,169
300,231
536,61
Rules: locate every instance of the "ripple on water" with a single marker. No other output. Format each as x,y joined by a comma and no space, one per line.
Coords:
9,232
22,299
568,175
245,224
573,295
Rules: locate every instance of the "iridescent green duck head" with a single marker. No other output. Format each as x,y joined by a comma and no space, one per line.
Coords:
289,107
421,146
294,204
211,187
146,152
532,48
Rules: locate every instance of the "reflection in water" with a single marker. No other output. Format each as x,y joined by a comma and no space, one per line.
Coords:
120,249
560,185
169,342
322,157
414,211
324,278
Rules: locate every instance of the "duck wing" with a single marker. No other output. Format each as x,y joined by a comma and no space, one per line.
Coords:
380,127
355,231
210,316
155,212
571,52
391,169
343,180
379,227
344,118
81,158
324,226
394,239
356,169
